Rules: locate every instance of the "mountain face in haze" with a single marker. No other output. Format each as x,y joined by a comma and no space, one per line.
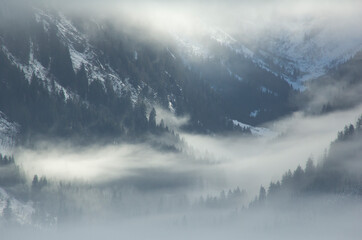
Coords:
63,76
342,85
297,52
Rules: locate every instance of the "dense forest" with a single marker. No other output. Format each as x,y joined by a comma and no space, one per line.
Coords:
43,89
339,172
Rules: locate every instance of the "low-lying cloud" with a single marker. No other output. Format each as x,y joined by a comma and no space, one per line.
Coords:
206,163
250,162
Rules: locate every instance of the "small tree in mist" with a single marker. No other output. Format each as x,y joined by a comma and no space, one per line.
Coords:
359,124
273,188
152,119
260,199
36,186
309,167
262,194
7,212
35,182
287,178
298,175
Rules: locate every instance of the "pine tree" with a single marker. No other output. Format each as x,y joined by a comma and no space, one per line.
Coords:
35,184
359,124
152,119
7,212
309,167
262,194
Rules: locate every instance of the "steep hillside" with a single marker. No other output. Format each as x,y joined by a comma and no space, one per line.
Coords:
340,88
338,173
62,75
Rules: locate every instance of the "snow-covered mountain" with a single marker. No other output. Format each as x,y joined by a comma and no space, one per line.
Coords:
308,54
213,76
297,54
61,51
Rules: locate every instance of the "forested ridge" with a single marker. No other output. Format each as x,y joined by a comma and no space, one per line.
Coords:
43,89
339,172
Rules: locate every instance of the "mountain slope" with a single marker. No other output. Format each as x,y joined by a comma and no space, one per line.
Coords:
339,173
60,66
339,88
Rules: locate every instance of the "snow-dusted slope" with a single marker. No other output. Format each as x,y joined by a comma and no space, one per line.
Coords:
189,47
34,67
197,48
311,52
88,56
21,213
8,132
297,53
256,131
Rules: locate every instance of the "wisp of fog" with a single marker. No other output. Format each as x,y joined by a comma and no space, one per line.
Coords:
247,162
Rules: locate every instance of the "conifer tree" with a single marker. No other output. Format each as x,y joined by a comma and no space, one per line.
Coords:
152,119
7,212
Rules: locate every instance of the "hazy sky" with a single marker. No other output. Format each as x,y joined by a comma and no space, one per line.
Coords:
254,23
229,13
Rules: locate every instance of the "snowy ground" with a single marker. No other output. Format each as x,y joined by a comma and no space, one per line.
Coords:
256,131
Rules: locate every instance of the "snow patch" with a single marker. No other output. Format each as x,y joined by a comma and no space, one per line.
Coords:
77,59
234,75
172,55
254,114
169,75
170,106
256,131
40,19
191,48
266,90
221,37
